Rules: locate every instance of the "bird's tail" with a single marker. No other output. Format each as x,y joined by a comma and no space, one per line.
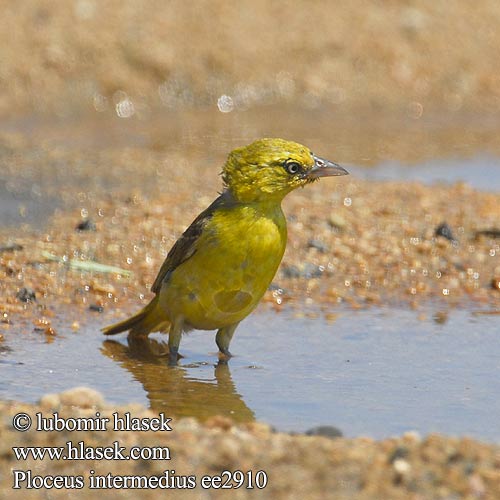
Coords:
151,318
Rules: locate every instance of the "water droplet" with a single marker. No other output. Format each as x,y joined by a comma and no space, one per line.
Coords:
125,108
225,103
347,202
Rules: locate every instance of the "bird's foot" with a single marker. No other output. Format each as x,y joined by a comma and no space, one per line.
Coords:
224,356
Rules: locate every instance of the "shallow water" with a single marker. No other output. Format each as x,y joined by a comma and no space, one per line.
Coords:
379,372
481,172
24,207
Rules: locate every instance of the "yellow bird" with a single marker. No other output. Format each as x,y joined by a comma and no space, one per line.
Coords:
219,269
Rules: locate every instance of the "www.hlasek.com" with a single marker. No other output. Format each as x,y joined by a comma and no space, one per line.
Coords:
168,479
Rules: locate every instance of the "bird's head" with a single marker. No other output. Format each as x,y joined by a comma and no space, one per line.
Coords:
268,169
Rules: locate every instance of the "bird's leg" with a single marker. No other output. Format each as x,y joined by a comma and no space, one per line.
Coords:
223,339
174,339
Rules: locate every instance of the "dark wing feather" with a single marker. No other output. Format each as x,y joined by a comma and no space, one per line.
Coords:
185,246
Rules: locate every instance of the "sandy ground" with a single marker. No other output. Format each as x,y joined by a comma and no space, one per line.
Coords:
297,466
353,243
421,55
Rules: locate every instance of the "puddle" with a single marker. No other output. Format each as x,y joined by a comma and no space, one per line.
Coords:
379,372
480,172
24,207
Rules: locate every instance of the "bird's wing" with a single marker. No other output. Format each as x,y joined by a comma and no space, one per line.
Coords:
186,246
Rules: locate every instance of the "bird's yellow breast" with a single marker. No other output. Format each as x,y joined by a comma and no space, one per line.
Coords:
236,258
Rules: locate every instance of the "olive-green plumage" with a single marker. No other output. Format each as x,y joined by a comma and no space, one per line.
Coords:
220,268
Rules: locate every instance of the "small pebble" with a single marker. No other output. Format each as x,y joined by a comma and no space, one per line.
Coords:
337,221
445,231
50,331
10,247
440,317
26,295
401,466
311,271
328,431
318,245
306,270
50,401
291,271
86,225
41,324
82,397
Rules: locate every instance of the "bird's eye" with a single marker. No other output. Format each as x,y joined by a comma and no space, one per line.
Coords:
292,167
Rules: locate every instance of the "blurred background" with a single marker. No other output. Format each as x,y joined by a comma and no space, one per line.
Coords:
414,57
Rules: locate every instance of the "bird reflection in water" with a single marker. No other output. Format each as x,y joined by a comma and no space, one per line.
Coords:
175,391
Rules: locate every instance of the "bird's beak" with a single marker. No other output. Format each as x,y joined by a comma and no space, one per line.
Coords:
325,168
